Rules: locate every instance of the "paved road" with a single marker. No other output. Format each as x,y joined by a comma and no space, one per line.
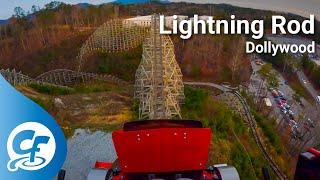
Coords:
302,113
300,74
304,80
298,41
84,149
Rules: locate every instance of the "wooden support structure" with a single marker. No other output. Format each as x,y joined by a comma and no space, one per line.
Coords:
158,86
116,35
58,77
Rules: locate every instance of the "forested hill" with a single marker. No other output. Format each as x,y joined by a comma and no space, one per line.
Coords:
38,40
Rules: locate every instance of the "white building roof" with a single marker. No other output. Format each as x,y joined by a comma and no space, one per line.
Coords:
267,102
140,18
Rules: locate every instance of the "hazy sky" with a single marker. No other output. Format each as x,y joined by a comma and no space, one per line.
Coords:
7,6
301,7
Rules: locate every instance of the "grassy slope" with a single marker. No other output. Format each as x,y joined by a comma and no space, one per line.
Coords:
97,105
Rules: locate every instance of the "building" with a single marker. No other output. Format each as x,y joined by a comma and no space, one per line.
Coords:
146,20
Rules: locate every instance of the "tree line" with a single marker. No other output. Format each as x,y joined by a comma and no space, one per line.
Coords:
30,30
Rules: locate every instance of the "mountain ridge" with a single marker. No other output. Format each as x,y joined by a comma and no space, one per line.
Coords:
126,2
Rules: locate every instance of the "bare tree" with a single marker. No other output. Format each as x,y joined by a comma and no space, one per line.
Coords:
235,63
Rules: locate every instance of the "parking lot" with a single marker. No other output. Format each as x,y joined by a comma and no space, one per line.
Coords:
285,109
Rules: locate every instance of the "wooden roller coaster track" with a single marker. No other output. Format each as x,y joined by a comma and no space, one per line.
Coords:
251,122
16,77
58,77
158,85
116,35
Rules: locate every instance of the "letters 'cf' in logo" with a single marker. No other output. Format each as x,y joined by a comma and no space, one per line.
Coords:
31,146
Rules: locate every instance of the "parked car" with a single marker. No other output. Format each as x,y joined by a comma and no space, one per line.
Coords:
258,62
304,81
291,112
274,93
301,104
287,106
282,98
280,93
284,111
280,103
293,123
291,117
310,122
284,101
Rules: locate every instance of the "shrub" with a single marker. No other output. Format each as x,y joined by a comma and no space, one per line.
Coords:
268,130
122,64
214,114
242,162
51,90
194,98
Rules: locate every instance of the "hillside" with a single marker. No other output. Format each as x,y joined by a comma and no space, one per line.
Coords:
105,107
51,42
213,58
126,2
96,106
52,39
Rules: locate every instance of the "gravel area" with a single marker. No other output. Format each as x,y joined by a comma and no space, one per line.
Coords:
84,148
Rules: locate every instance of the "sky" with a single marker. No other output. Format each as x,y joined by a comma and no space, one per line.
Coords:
7,6
301,7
